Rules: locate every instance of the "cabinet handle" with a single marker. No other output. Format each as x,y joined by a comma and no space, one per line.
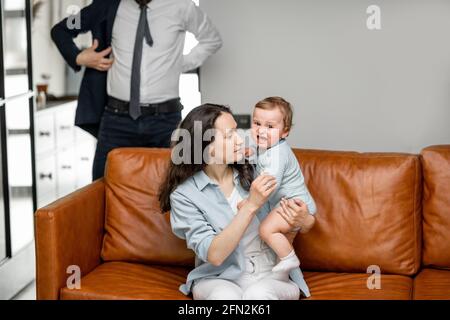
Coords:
84,158
44,133
66,167
42,176
65,127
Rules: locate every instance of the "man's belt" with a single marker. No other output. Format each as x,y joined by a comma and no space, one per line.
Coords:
173,105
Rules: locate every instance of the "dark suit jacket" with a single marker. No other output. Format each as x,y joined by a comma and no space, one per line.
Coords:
99,19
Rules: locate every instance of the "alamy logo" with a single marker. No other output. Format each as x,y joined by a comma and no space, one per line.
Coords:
374,20
374,280
74,19
74,280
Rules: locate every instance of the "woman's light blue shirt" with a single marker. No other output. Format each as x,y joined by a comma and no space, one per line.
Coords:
200,211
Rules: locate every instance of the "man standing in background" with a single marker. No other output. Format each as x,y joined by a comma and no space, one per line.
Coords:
129,96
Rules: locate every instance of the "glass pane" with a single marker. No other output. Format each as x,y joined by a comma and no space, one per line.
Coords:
189,92
2,236
20,180
19,172
190,41
2,219
14,5
15,43
17,114
189,84
15,85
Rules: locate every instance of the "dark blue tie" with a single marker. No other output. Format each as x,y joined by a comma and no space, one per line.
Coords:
143,31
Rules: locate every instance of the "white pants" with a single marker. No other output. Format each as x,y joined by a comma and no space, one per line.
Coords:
258,282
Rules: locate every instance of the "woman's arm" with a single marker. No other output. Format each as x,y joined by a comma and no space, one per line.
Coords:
225,242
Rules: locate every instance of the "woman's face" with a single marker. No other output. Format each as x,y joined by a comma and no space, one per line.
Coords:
227,146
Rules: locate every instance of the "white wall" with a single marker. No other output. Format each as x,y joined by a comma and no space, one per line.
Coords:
353,89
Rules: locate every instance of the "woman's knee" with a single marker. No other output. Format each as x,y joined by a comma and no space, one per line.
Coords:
259,292
225,294
269,289
216,289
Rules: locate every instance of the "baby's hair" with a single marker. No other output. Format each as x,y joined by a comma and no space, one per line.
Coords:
285,107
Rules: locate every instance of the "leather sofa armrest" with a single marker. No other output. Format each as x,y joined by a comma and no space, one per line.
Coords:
69,232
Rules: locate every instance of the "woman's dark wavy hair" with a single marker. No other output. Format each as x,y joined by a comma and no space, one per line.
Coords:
207,114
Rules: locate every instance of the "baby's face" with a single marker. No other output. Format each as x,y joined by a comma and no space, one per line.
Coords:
268,127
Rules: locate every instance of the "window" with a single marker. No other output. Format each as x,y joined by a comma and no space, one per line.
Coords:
189,82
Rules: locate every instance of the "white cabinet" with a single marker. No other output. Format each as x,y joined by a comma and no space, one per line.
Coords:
65,171
84,159
45,133
64,128
64,153
46,179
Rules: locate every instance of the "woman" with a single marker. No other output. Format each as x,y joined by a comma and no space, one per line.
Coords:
205,193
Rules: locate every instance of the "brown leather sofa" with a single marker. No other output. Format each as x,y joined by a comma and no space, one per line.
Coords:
388,210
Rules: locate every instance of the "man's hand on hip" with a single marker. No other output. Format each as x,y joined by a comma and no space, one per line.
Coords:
95,60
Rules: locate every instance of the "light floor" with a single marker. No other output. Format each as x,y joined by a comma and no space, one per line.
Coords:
28,293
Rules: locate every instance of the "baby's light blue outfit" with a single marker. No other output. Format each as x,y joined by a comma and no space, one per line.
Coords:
280,161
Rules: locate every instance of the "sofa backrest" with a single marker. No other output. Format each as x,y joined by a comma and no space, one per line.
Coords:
368,212
436,206
135,229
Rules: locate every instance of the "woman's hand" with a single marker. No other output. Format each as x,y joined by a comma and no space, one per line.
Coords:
296,213
260,190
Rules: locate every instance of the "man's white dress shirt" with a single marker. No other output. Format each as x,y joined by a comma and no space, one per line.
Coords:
163,63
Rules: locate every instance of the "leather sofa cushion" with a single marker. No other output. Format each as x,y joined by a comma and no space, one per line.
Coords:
436,206
432,284
129,281
368,212
135,229
353,286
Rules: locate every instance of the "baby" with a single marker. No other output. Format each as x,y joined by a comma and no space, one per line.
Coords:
272,121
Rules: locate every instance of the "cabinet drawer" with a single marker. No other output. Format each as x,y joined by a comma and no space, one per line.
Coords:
64,123
45,133
66,172
46,178
84,159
